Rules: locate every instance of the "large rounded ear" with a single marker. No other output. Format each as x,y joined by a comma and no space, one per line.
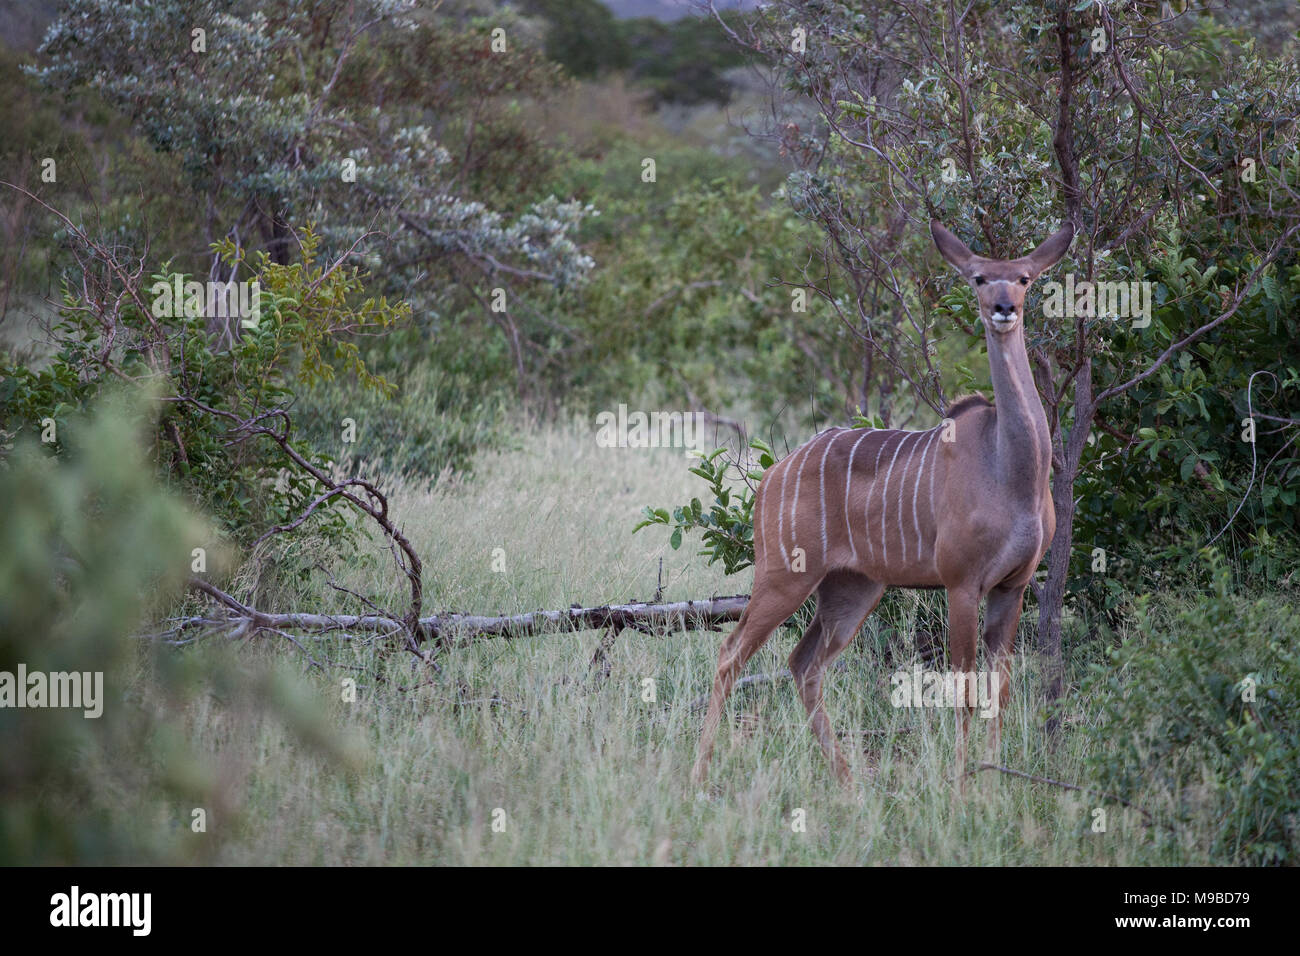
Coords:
1046,255
950,247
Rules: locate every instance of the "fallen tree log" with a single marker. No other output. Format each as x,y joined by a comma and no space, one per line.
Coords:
703,614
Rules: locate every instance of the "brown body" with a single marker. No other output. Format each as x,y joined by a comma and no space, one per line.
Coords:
964,506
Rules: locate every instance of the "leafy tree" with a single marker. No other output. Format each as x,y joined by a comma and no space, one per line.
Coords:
124,328
274,132
681,62
582,35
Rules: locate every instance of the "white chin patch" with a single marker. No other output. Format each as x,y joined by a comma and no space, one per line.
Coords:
1005,321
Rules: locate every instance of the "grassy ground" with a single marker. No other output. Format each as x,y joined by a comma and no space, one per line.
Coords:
576,770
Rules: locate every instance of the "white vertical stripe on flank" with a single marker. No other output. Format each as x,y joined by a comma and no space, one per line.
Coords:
916,519
902,486
780,516
866,511
821,479
848,477
884,500
934,466
786,462
794,505
794,501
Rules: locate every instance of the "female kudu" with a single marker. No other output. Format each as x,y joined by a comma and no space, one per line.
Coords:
964,506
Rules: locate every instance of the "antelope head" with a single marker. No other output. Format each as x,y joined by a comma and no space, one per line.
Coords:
1000,284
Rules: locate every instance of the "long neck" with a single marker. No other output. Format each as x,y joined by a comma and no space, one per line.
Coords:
1023,452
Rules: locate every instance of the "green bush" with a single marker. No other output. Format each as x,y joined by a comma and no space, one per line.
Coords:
92,549
1196,721
1169,469
310,314
728,526
436,422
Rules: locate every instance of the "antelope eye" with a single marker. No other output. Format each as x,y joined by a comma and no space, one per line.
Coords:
979,280
1024,280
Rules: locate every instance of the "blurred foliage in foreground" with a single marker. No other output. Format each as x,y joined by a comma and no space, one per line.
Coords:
89,547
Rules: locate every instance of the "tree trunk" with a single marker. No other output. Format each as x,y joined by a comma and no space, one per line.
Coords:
1052,595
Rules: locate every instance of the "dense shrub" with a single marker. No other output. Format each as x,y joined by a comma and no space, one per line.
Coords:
309,313
434,423
1196,720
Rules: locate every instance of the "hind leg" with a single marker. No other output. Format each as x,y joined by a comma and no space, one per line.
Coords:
844,600
774,599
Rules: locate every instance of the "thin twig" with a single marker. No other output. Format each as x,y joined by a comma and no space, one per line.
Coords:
1151,820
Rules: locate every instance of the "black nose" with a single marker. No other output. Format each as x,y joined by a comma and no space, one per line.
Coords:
1003,308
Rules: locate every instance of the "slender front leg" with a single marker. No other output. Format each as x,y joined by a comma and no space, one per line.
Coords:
963,633
1001,617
